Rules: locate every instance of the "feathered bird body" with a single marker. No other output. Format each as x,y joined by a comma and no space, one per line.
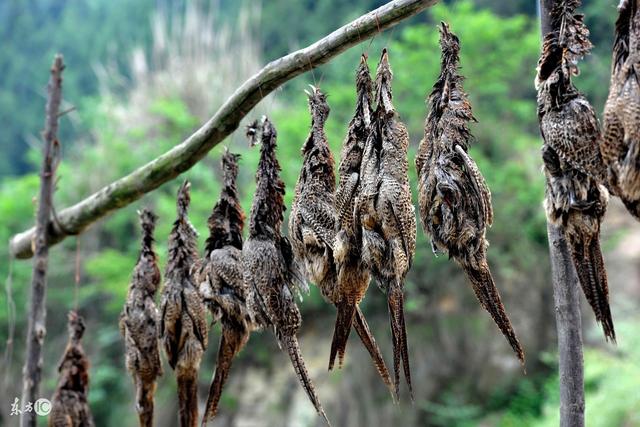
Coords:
455,202
268,265
69,404
620,145
312,228
386,212
221,281
312,222
139,323
575,199
352,275
183,325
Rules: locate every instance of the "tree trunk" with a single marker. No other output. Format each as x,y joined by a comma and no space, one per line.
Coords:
567,305
75,219
37,310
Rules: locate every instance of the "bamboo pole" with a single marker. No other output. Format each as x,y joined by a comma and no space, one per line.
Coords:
36,331
75,219
567,305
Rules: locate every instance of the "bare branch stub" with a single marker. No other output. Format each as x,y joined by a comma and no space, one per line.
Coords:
37,309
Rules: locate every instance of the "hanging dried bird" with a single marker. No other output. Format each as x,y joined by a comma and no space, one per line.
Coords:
69,405
183,325
573,166
267,258
221,283
386,212
620,145
139,323
455,202
312,229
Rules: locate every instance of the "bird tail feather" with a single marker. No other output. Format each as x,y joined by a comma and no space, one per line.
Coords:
395,300
144,401
290,343
487,293
362,328
230,344
589,264
188,397
344,319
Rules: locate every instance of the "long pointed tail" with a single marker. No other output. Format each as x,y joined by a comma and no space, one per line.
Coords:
344,320
231,343
395,300
188,397
144,401
362,328
487,293
290,343
589,264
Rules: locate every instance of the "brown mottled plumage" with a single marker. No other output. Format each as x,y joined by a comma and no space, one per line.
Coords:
183,325
386,213
312,230
620,145
139,323
69,404
455,202
269,269
221,283
575,200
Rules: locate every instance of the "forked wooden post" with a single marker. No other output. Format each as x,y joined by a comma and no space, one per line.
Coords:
37,310
567,305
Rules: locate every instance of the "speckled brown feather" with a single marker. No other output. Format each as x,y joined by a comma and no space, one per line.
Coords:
221,283
620,145
139,323
69,404
269,269
352,275
455,202
575,199
183,325
386,213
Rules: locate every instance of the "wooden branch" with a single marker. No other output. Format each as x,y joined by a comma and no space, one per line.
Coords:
75,219
37,311
569,325
567,305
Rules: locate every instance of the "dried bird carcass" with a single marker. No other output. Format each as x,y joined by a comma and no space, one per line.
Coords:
313,227
69,404
267,258
620,145
221,283
183,323
139,323
454,200
386,213
575,200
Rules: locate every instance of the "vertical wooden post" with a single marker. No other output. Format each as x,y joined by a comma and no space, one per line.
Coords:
37,311
567,305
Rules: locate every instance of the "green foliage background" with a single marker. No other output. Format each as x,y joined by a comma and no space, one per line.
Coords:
500,42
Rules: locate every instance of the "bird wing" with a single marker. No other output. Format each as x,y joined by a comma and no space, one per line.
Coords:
321,219
574,133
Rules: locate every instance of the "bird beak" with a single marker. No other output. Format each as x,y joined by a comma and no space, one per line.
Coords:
363,58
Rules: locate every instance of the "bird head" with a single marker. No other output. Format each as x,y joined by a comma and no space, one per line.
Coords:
76,326
318,106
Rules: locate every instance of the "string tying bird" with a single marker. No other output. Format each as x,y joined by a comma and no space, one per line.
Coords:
620,145
139,323
221,280
268,264
575,200
455,202
183,325
69,404
312,230
386,213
